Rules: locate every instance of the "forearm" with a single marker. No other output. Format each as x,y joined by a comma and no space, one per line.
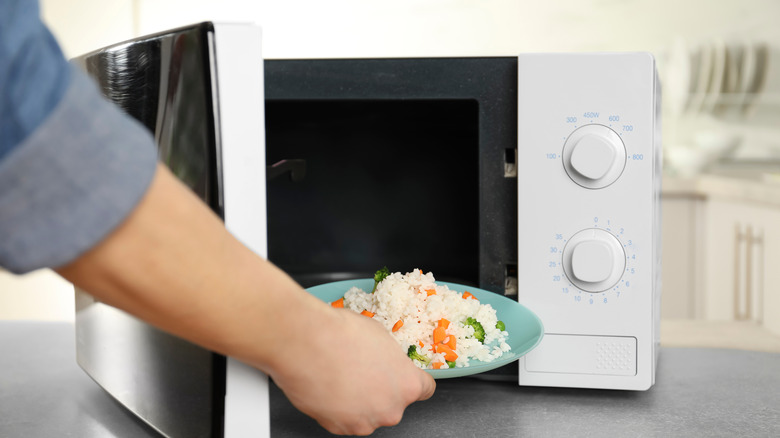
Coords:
173,264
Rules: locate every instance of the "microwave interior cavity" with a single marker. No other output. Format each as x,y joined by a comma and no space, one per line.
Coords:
392,162
386,182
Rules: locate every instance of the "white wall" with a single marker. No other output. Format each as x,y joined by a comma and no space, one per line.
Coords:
85,25
368,28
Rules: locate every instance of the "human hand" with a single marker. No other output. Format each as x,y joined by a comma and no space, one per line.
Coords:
350,375
341,368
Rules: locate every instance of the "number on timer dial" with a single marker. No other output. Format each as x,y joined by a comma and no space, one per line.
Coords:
594,260
594,156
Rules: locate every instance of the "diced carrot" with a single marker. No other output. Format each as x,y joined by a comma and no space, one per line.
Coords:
430,291
449,355
444,323
438,334
450,341
367,313
421,344
468,295
398,325
338,303
437,365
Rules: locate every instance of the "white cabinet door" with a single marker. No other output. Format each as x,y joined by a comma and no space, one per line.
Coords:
767,251
722,227
681,234
742,262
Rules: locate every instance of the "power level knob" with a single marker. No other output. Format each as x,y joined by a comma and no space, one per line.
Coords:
594,260
594,156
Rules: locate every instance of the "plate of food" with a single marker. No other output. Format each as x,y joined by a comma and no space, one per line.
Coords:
447,329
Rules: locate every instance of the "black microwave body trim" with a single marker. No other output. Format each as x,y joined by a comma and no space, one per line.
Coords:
165,82
491,82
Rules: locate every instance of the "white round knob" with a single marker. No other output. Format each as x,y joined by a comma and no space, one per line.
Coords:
594,260
594,156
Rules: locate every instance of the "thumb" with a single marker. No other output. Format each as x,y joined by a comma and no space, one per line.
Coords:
428,386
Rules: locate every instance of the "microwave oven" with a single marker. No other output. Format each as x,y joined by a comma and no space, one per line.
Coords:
534,176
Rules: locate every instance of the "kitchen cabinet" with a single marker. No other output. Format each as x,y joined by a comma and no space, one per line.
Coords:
721,250
770,318
682,238
741,262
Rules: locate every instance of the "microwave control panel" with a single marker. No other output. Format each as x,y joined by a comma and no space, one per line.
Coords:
589,217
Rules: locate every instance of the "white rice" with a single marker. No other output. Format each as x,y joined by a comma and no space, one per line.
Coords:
403,297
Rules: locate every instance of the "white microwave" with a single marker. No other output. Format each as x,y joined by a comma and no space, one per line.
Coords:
534,176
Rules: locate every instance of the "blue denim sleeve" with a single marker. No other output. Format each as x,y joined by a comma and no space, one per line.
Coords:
33,72
72,165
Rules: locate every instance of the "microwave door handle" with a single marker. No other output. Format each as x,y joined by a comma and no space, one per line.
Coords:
296,167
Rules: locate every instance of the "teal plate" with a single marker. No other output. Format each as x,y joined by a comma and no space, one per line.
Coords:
524,327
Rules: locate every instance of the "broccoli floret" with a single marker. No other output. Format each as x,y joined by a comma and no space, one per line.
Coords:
414,355
379,276
501,326
479,331
451,363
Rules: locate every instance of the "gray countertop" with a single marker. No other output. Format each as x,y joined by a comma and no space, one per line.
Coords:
698,392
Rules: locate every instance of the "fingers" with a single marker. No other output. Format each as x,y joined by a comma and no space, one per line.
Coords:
341,403
357,429
363,425
387,415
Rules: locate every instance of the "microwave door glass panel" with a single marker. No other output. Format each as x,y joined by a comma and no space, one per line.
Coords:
164,82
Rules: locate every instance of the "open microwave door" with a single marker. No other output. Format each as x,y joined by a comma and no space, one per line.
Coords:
199,90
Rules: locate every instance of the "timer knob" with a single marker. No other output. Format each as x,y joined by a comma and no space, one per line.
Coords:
594,156
594,260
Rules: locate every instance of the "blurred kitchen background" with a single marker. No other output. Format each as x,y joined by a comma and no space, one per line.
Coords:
720,68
